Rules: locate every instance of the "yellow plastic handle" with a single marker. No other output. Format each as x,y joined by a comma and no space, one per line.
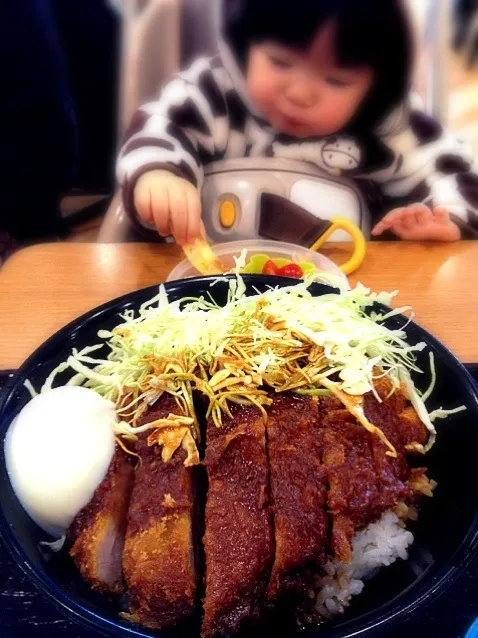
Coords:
360,245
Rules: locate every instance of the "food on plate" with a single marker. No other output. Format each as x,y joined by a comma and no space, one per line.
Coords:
298,494
159,559
60,444
96,536
270,268
272,439
202,257
204,260
291,270
238,541
265,265
364,482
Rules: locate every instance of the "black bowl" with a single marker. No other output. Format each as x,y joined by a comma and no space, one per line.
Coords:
446,534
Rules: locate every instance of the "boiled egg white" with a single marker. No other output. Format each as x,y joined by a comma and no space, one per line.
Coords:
57,451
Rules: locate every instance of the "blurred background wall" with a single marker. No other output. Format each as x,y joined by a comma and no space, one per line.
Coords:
89,35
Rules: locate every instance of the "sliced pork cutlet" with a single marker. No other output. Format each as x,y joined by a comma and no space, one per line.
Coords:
402,426
238,539
298,494
363,482
159,555
97,534
395,416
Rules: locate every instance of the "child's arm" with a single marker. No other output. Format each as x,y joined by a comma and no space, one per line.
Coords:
430,186
167,144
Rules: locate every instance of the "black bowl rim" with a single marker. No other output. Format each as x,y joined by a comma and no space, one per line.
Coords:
360,626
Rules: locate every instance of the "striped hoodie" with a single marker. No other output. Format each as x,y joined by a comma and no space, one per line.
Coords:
204,114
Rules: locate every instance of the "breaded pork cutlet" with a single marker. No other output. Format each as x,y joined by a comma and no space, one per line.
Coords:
364,481
97,534
238,541
298,494
395,416
159,559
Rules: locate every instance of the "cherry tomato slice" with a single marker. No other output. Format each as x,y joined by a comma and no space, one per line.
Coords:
291,270
270,268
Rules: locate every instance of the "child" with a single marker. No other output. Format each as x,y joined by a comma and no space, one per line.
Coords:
295,77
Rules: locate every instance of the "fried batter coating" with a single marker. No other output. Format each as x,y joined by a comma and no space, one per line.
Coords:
238,540
97,534
159,561
298,491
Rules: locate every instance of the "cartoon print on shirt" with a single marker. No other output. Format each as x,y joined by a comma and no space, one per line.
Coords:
340,154
335,155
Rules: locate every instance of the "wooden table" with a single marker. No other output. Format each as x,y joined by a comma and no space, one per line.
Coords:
44,287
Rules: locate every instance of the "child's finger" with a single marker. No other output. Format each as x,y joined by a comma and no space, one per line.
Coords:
407,219
194,214
179,213
400,231
441,215
161,211
142,203
422,213
388,221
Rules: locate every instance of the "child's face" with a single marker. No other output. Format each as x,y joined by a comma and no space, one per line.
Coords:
305,94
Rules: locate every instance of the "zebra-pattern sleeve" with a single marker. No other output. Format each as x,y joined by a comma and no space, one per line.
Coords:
433,167
187,127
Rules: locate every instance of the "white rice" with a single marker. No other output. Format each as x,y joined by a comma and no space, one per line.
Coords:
379,545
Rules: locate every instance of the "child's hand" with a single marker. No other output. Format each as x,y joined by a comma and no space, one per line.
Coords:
418,223
171,203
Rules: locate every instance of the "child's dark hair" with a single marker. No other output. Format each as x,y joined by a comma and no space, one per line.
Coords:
376,33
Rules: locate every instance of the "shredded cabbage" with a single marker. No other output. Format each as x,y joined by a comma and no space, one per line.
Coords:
284,339
30,389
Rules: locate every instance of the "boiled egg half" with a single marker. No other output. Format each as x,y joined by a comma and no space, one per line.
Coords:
58,450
